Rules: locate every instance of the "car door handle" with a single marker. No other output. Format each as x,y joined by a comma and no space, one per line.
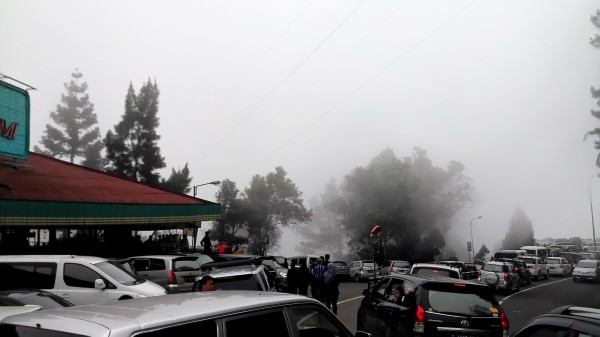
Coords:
65,295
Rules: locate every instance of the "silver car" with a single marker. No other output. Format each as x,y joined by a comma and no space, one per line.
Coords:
363,269
537,267
176,273
215,314
588,270
395,267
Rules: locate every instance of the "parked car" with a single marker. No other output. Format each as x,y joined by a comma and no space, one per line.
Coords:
430,306
341,268
78,279
276,273
537,267
176,273
509,253
588,270
520,268
238,277
395,267
10,310
563,321
559,266
363,269
539,251
435,269
45,299
212,314
500,275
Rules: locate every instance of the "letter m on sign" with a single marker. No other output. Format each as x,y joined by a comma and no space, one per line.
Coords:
7,133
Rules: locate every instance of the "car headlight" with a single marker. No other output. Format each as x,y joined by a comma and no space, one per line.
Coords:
282,274
140,296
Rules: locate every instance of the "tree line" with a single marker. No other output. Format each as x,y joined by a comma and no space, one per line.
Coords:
413,200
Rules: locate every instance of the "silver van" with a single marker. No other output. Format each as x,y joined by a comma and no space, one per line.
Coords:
539,251
227,313
510,254
78,279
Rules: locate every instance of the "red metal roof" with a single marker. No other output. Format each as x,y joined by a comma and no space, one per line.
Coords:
43,178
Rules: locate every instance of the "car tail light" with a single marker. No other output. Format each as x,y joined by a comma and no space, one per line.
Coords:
172,277
561,265
505,276
532,266
391,269
504,322
419,320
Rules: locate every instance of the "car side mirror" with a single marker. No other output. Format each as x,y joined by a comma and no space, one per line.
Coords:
99,284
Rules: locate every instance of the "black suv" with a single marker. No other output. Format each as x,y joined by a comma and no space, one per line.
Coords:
425,305
520,267
563,321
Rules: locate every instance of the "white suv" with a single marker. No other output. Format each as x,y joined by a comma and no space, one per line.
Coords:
537,267
559,266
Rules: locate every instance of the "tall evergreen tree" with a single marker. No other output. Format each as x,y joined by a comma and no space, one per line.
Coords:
179,181
520,231
133,149
595,42
233,225
76,134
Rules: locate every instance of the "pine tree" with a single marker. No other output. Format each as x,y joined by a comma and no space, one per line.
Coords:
132,149
76,134
520,232
179,181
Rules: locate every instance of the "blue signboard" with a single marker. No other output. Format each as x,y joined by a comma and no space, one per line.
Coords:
14,121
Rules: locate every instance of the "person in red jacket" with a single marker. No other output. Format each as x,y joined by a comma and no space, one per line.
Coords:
221,248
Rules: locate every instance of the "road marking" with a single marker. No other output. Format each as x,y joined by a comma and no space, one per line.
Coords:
526,290
350,299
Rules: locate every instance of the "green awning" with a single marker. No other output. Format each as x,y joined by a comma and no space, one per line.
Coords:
66,214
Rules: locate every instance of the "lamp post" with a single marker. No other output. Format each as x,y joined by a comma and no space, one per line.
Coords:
216,182
473,244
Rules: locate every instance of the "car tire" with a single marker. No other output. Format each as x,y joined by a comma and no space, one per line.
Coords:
574,279
356,278
518,287
491,279
509,287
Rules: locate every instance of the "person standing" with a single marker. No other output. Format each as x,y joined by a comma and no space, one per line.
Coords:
303,278
331,283
317,280
206,244
292,279
221,248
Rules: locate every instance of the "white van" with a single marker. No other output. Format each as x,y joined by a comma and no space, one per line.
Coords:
78,279
539,251
510,254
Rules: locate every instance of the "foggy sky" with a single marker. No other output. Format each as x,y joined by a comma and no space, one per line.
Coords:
321,87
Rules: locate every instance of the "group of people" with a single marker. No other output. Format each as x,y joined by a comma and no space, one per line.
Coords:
322,277
222,248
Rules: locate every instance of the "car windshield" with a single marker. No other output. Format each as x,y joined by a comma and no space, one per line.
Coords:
202,259
368,264
402,264
186,264
462,300
238,282
118,273
587,264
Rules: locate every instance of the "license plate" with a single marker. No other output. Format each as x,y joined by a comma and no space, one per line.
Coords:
189,278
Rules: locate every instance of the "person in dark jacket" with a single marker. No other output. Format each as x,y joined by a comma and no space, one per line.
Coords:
303,279
292,279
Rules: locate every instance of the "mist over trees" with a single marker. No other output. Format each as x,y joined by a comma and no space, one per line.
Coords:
270,203
520,231
410,198
483,251
76,134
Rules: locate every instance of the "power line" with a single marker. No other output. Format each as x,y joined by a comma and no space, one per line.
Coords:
285,78
376,76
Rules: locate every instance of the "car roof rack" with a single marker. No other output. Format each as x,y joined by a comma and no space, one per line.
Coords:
231,263
575,310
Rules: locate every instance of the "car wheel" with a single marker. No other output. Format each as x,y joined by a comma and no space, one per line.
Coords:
518,287
547,274
356,278
574,279
529,281
509,288
564,273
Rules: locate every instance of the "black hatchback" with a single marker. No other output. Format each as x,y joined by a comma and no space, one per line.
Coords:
424,305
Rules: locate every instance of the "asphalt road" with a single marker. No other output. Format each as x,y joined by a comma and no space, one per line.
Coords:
531,301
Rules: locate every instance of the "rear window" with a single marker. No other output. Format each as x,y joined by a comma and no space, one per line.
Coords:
528,260
461,299
186,264
497,268
436,272
587,264
238,282
552,260
402,264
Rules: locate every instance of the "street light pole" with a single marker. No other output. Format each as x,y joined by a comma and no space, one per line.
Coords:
472,243
216,182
